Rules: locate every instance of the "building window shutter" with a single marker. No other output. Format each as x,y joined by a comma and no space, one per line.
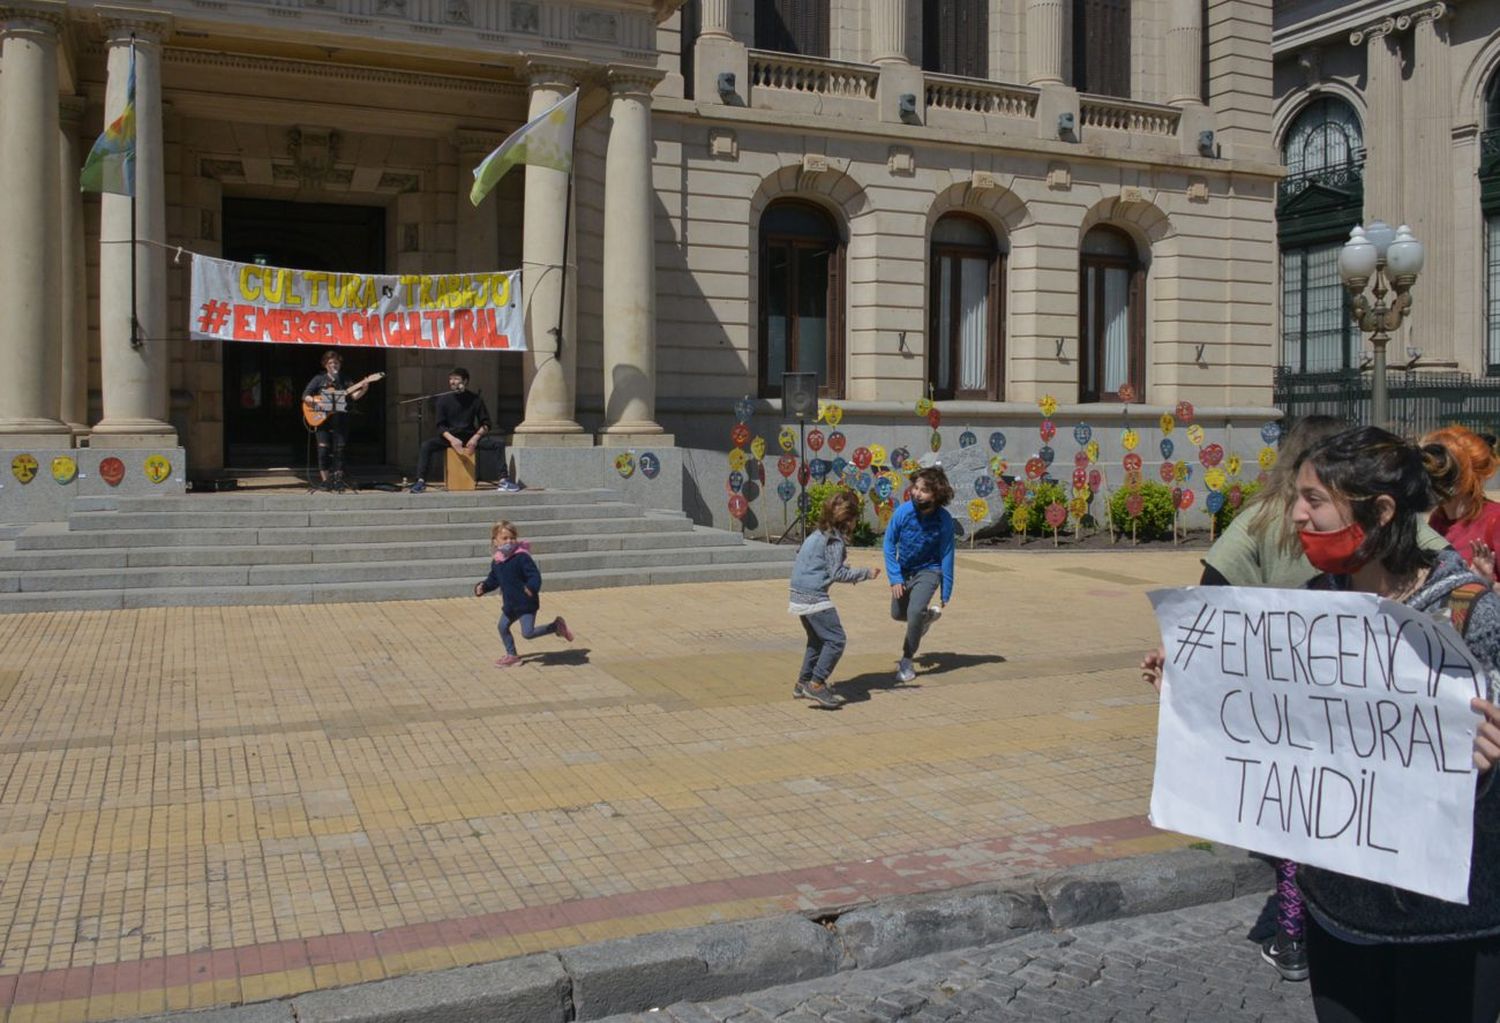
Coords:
1101,47
956,37
792,26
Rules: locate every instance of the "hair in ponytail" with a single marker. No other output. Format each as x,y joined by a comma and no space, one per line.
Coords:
1364,464
1471,462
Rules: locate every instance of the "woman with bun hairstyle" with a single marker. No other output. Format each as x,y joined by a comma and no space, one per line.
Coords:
1376,952
1467,519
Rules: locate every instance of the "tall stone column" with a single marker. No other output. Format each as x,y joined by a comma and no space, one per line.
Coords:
715,19
1044,42
31,252
1185,53
1383,177
478,247
629,262
551,316
133,362
73,290
1429,206
888,31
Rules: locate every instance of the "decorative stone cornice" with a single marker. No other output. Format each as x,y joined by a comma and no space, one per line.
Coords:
70,111
123,23
336,72
475,140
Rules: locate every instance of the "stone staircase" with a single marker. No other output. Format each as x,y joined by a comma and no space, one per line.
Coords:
272,548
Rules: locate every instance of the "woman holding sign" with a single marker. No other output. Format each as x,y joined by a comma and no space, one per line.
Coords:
1377,952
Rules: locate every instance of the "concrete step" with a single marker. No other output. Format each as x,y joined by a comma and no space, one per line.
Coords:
470,569
470,548
369,499
343,518
57,535
335,593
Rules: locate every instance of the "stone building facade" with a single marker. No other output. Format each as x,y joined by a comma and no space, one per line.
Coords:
896,207
1390,111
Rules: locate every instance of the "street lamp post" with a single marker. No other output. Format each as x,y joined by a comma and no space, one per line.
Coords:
1393,259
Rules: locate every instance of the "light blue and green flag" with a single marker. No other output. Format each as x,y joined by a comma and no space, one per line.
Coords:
110,166
544,141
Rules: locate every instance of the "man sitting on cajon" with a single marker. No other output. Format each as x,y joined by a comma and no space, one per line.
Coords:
463,423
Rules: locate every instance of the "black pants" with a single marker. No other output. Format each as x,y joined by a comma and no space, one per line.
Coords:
1441,982
433,445
330,440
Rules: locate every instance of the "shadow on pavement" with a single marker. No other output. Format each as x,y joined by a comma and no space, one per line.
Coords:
560,658
937,664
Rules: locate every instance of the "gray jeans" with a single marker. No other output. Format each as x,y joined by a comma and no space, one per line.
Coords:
919,591
825,645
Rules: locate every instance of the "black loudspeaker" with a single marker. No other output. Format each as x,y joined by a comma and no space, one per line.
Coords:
799,395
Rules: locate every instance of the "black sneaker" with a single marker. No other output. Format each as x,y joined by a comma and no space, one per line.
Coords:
1288,955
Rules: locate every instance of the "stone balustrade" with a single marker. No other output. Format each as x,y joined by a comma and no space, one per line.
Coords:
969,95
1128,115
816,75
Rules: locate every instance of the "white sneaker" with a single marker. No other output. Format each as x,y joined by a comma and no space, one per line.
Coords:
929,616
904,671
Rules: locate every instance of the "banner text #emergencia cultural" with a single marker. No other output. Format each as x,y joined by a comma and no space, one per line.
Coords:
248,302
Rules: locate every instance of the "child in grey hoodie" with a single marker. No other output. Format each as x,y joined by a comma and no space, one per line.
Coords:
819,564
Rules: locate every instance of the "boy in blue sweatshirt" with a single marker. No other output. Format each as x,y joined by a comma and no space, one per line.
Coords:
919,559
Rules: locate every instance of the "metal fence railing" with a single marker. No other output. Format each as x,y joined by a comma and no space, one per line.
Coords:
1419,400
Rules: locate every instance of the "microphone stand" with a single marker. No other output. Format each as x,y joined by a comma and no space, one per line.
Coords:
421,403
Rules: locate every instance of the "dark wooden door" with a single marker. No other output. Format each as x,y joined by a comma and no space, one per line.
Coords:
792,26
263,382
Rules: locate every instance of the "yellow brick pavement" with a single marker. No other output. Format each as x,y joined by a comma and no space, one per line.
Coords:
206,805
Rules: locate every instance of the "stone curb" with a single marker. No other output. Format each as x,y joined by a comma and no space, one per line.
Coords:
717,960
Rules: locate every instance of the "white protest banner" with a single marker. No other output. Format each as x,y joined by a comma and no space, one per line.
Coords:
1328,728
249,302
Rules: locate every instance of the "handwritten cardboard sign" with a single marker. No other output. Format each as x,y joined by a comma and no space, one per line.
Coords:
1327,728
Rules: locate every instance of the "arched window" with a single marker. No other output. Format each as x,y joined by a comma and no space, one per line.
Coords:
1321,198
1325,135
956,37
1489,198
1111,316
1101,47
801,297
966,354
792,26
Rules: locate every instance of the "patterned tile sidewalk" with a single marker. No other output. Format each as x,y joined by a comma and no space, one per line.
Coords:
202,806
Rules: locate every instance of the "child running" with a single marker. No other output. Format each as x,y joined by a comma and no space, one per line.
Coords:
819,564
515,575
918,558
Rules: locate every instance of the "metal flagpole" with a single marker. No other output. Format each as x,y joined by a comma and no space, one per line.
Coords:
562,294
136,341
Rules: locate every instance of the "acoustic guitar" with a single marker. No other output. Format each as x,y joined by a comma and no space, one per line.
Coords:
317,407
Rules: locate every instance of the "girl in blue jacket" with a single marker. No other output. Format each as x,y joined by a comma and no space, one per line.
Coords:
515,575
919,560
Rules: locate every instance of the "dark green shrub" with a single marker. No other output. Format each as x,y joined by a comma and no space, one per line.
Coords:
1155,521
865,535
1038,497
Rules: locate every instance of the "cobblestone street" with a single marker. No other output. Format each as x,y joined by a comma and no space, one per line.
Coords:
1193,964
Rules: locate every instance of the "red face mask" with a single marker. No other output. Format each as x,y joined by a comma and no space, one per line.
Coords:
1335,552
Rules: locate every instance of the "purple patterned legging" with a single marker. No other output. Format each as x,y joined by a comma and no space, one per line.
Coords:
1288,900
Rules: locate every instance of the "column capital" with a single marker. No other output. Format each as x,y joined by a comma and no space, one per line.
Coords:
625,80
476,140
45,17
1370,33
120,24
560,72
1434,13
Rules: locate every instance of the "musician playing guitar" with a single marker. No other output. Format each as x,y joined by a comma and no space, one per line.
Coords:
324,406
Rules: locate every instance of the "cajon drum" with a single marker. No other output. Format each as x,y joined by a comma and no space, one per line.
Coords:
458,471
